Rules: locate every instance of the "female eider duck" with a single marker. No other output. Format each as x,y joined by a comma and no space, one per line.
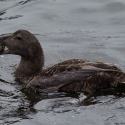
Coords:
72,75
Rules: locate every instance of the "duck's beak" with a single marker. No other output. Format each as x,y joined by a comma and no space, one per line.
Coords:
3,47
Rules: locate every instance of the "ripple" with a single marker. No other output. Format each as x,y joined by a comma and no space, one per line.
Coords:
115,7
11,17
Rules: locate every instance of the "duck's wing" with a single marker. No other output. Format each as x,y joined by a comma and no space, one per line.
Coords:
85,80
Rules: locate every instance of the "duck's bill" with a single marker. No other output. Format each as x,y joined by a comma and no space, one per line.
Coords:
3,50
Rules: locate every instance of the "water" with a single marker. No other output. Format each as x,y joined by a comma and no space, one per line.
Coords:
66,29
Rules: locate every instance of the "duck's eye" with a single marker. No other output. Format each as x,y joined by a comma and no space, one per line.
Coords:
19,38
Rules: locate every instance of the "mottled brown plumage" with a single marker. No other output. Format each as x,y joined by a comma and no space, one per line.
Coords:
72,75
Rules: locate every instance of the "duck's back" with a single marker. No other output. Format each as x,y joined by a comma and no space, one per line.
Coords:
77,64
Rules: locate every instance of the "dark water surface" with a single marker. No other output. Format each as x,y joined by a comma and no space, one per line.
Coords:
84,29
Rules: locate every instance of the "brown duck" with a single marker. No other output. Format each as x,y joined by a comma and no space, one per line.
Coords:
72,75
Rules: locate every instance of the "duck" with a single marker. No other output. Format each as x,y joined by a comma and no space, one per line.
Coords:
74,75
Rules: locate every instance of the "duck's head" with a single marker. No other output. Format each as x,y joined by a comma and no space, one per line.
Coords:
21,43
26,45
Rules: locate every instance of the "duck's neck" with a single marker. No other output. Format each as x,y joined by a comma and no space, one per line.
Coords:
29,67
